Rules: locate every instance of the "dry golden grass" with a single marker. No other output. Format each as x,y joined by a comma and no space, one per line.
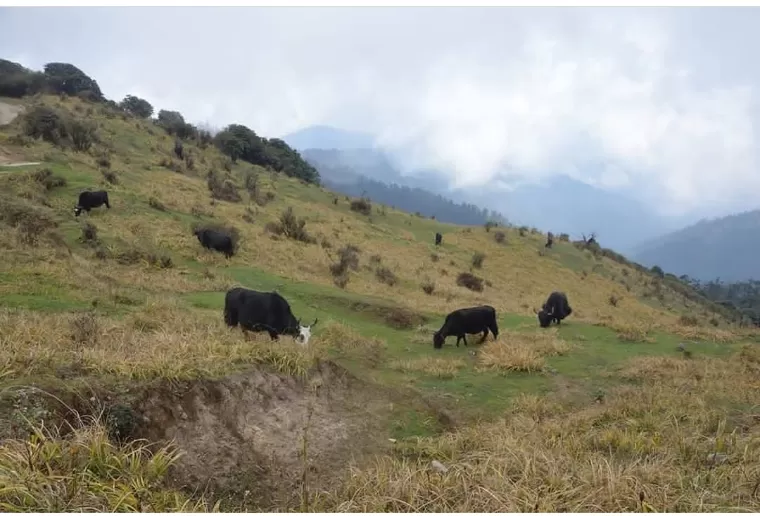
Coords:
158,340
85,472
444,368
673,444
521,351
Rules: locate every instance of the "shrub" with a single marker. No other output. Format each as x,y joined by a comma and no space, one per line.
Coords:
477,260
387,276
223,189
688,320
156,204
30,221
490,224
428,287
110,176
89,233
470,281
500,237
362,205
348,258
83,135
613,300
43,122
564,237
291,227
523,230
47,179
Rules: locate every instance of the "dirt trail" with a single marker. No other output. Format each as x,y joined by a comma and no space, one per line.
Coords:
8,113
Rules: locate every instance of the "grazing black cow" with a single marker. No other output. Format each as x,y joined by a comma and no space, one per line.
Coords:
89,200
438,238
216,240
263,311
556,308
467,320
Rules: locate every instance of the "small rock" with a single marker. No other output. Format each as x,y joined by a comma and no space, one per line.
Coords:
391,439
681,346
717,458
438,466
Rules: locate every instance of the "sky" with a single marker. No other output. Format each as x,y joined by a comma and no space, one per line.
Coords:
659,103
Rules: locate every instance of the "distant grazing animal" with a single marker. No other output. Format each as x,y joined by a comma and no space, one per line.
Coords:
89,200
556,308
263,311
215,240
549,240
467,320
438,238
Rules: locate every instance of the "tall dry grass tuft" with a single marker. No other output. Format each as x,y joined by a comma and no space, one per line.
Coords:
521,351
159,340
443,368
685,440
85,472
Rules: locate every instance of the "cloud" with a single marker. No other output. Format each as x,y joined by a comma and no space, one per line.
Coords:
650,101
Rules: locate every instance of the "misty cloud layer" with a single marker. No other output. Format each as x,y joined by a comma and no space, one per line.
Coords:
661,103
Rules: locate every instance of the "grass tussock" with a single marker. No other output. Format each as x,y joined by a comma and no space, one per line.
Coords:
674,444
347,341
160,340
524,352
443,368
85,472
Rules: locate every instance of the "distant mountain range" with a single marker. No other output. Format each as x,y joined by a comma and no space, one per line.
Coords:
725,248
349,162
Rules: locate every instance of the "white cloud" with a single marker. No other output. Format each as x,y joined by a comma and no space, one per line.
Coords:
622,98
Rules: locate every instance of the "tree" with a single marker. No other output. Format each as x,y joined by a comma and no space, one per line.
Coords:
136,106
67,78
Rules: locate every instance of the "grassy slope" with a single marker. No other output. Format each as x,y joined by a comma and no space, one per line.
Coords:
158,323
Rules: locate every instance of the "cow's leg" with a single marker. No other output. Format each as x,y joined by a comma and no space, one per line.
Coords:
459,337
464,338
483,338
273,335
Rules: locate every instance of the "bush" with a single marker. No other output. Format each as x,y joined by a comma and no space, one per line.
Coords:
613,300
43,122
564,237
500,237
47,179
470,281
362,205
29,220
222,189
156,204
83,135
490,224
477,260
348,258
89,233
110,176
387,276
291,227
428,287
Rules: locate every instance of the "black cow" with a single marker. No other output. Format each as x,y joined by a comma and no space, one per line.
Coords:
89,200
216,240
467,320
556,308
438,238
263,311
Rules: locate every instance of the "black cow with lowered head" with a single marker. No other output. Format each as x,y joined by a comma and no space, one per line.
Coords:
438,238
216,240
467,320
263,311
556,308
89,200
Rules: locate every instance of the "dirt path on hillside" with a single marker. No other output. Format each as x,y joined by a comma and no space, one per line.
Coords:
8,113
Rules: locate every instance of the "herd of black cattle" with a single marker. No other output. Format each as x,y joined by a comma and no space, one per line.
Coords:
256,311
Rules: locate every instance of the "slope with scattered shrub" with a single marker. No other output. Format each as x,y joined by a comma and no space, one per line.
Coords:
123,306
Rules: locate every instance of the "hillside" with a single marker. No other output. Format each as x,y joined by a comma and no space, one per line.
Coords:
116,316
338,173
722,248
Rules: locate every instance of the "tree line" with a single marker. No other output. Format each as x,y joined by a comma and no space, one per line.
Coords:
236,141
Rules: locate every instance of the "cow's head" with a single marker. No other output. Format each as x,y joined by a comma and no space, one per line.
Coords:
77,210
438,339
544,318
304,333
